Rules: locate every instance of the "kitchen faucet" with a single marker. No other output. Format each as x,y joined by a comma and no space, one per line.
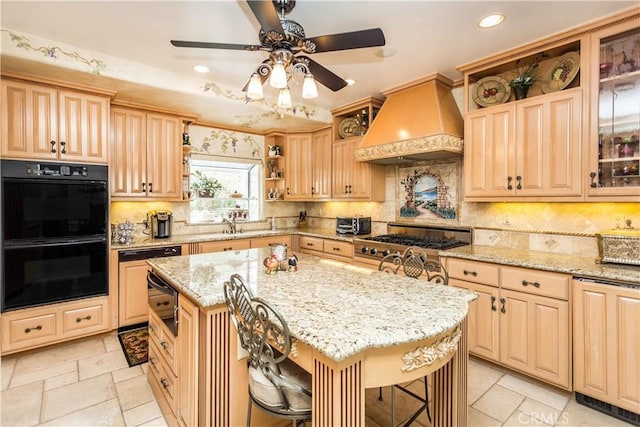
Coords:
232,225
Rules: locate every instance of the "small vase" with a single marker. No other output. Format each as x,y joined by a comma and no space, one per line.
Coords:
521,91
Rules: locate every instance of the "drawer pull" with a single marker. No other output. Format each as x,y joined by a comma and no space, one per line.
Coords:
152,328
37,328
534,284
162,303
164,383
152,360
336,249
493,303
80,319
503,302
309,244
467,272
164,345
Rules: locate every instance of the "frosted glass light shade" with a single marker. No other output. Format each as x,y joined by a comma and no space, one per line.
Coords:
284,98
278,76
254,91
309,88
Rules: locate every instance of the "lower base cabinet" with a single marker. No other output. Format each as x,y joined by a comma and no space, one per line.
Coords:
336,250
521,318
173,364
606,343
39,326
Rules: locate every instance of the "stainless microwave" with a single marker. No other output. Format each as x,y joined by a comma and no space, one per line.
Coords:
353,225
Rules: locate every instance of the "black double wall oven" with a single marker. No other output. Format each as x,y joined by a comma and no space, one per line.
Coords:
54,234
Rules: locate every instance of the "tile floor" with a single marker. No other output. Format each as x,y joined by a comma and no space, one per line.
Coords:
88,383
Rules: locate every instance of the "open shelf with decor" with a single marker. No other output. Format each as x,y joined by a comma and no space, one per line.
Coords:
274,171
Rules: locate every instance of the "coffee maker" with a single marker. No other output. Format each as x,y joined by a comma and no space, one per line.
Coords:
160,223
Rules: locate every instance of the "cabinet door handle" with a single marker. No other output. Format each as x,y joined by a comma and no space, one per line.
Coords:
527,283
350,189
37,328
53,144
593,182
313,190
80,319
509,186
144,187
519,179
151,187
162,303
64,148
467,272
503,302
165,383
493,303
288,193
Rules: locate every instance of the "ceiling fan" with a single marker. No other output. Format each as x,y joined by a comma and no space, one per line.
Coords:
285,40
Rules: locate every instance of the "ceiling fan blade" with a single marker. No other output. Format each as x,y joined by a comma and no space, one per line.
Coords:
267,15
352,40
207,45
323,75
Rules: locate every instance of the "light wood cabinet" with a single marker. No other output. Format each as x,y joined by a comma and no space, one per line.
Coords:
336,250
529,148
520,319
223,246
132,293
161,372
353,180
39,326
276,172
264,242
298,161
49,123
308,166
606,326
187,357
146,153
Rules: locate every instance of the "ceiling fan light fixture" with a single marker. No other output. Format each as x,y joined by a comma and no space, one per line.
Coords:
201,68
278,77
350,82
284,98
254,90
309,87
492,20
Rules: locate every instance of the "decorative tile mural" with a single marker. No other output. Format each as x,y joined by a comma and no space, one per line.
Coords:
428,191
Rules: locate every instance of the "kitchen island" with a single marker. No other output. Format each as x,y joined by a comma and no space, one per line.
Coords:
354,329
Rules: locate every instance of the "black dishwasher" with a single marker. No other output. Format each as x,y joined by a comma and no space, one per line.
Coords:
132,279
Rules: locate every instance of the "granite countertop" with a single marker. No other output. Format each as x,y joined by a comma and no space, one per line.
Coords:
562,263
335,308
178,239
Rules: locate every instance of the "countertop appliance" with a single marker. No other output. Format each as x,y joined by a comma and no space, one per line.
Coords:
160,223
353,225
54,232
400,236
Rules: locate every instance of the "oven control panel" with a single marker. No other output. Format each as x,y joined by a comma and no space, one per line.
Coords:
52,169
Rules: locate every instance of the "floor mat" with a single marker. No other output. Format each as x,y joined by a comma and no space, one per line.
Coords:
135,345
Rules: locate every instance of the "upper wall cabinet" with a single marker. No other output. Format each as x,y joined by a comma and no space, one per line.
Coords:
351,179
574,135
308,166
50,123
146,154
613,149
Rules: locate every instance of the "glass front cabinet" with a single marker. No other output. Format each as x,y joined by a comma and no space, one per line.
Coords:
614,149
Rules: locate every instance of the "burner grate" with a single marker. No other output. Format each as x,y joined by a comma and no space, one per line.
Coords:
420,241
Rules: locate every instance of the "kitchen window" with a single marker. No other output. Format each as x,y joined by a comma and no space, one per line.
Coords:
237,190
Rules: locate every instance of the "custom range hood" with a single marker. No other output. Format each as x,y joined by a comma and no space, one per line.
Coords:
418,121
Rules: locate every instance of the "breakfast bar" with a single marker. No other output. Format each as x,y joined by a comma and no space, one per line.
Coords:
353,329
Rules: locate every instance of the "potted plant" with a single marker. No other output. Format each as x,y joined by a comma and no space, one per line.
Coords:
525,77
205,186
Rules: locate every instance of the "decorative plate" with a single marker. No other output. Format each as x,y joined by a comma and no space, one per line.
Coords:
562,72
349,127
490,91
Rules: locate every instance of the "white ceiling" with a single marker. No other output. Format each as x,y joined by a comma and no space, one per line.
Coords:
132,39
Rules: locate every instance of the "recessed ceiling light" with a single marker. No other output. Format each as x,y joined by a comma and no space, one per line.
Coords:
491,20
350,82
201,68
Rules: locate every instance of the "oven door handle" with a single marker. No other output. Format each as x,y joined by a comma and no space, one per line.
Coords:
152,280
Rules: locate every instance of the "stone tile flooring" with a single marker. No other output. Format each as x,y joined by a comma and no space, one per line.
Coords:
88,383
